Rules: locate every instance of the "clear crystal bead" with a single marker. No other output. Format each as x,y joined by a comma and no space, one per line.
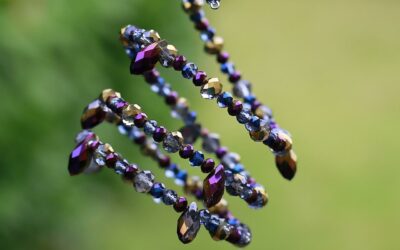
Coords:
143,181
169,197
211,143
173,142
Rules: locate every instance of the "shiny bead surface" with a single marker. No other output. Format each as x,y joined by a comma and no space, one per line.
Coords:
214,186
173,142
196,159
211,89
169,197
224,100
129,112
145,59
200,78
189,70
168,52
215,45
287,164
143,181
207,166
181,204
93,115
105,94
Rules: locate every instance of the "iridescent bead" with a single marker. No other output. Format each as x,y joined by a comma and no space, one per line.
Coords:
150,127
169,197
211,89
227,68
244,116
214,186
140,119
196,159
188,224
229,160
116,104
211,143
159,134
107,93
254,124
200,78
111,159
164,161
208,34
93,115
79,159
207,166
204,216
221,152
179,62
143,181
215,45
190,133
173,142
224,100
187,151
223,57
235,77
168,52
196,16
202,25
235,108
222,231
261,200
279,141
145,59
287,164
120,167
129,112
242,89
259,135
263,112
181,204
157,190
151,76
190,118
189,70
130,172
181,108
213,223
150,36
84,134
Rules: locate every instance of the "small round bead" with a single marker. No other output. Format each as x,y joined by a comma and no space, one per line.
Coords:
140,139
171,98
159,134
235,76
140,119
255,105
111,159
181,204
189,70
169,197
208,165
235,108
164,161
179,63
187,151
221,152
202,25
197,159
200,78
130,172
223,57
157,190
224,100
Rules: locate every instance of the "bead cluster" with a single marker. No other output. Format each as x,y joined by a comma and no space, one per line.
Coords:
90,154
146,48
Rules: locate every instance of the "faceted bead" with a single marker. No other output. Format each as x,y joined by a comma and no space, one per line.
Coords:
230,160
202,25
150,36
93,115
244,116
171,98
168,52
120,167
181,204
259,135
181,108
221,152
254,124
140,119
208,33
159,134
221,208
207,166
235,108
129,112
214,186
215,45
192,6
169,197
143,181
245,236
197,159
261,200
151,76
222,231
211,143
130,172
179,62
150,127
164,161
116,104
157,190
188,224
190,133
204,216
235,77
146,59
228,68
189,70
223,57
187,151
200,78
235,183
287,164
211,89
224,100
190,118
263,112
242,89
173,142
81,136
79,159
279,141
105,94
213,224
111,159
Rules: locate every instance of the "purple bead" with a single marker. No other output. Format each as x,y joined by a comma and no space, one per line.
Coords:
151,76
111,159
116,104
140,119
130,171
171,98
202,24
79,159
179,63
140,139
223,57
186,152
181,204
234,77
200,78
208,165
93,115
235,108
164,161
214,186
255,105
146,59
159,134
221,152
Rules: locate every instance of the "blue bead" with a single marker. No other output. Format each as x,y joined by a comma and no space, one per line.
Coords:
249,99
157,190
244,116
227,68
197,16
189,70
197,158
224,100
233,221
208,34
254,124
131,54
238,168
190,118
213,223
181,175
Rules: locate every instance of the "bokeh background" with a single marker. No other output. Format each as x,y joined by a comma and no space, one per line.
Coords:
329,69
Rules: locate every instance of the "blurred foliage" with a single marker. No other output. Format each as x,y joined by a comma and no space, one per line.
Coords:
329,69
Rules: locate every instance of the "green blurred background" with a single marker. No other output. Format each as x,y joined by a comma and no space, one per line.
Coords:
329,69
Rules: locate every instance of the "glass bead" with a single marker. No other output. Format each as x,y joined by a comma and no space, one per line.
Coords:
211,89
197,159
157,190
211,143
150,127
215,45
188,224
244,116
143,181
168,52
224,100
129,112
169,197
189,70
253,124
242,88
173,142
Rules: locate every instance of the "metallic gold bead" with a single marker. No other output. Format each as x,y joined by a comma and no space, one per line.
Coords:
264,195
151,36
192,6
108,149
259,135
215,45
211,89
129,112
222,232
105,94
168,52
287,164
